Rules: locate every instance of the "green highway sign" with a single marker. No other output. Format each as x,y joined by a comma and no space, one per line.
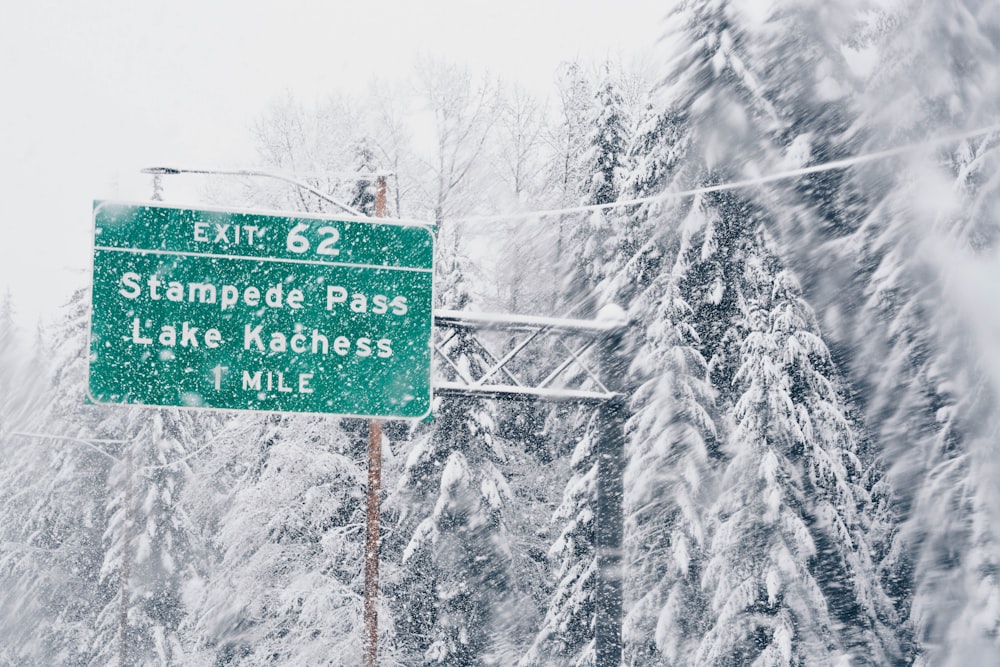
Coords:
253,311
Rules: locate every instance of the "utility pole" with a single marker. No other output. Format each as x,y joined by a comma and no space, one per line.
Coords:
372,526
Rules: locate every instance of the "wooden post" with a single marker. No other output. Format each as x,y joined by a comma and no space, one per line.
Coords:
372,530
380,196
371,542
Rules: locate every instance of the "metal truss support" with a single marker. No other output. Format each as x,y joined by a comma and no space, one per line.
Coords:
572,379
562,361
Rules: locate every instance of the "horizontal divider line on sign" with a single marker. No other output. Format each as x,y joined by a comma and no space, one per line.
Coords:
144,251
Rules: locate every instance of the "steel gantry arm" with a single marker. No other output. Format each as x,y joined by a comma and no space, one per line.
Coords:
563,367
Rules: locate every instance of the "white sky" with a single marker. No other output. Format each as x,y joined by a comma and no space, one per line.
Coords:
92,91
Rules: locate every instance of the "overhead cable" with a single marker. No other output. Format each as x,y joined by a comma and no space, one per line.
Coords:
744,183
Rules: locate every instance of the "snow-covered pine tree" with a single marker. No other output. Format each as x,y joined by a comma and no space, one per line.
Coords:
711,98
451,501
280,503
413,593
567,632
921,253
608,143
820,56
713,92
589,239
149,557
789,568
816,57
645,237
450,566
35,387
668,485
25,378
17,600
811,52
566,636
668,477
53,519
668,480
466,555
77,484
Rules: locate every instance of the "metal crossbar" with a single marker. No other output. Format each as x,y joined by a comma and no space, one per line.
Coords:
501,365
586,369
498,365
566,364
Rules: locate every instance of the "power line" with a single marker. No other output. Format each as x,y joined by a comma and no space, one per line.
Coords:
745,183
89,442
826,166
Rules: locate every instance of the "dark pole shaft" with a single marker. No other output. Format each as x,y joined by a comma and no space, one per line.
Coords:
609,519
372,529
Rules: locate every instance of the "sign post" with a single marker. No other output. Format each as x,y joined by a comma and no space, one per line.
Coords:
252,311
373,517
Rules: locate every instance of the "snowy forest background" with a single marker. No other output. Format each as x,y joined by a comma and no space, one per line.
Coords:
812,464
